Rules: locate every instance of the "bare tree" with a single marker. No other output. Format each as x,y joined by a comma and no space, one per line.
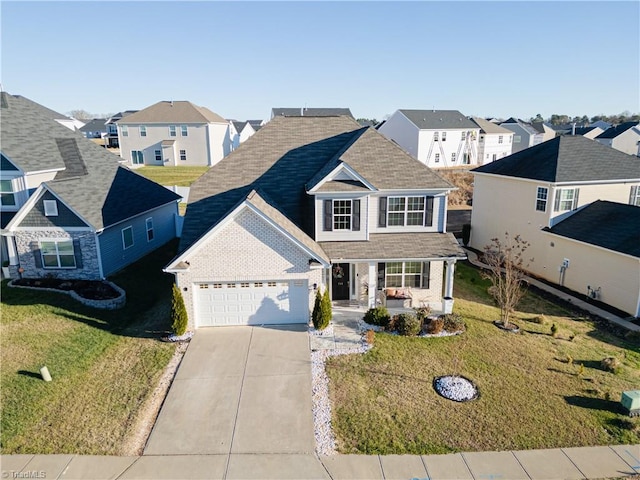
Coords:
506,264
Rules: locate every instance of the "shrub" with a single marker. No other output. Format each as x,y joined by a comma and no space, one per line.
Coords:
554,330
325,311
540,320
435,326
377,316
466,233
370,337
315,314
422,313
393,323
610,364
453,322
408,325
179,319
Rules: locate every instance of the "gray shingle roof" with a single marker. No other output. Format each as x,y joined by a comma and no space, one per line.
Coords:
91,182
310,112
614,226
173,112
438,119
526,126
396,246
567,159
95,125
613,132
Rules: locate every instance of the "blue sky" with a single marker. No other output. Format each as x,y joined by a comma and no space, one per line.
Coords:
241,58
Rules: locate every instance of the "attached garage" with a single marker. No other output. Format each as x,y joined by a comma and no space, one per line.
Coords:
251,303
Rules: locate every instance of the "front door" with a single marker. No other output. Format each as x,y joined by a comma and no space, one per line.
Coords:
340,281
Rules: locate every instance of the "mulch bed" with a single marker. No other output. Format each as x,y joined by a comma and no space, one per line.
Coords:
90,289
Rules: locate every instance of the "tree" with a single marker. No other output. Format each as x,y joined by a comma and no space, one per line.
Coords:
179,319
505,261
537,118
80,114
325,311
316,314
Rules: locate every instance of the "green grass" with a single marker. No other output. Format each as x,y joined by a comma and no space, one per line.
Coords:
180,176
531,396
104,364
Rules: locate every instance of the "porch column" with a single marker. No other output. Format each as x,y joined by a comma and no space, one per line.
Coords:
373,283
448,287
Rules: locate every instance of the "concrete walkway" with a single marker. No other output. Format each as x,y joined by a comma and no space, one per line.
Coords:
581,304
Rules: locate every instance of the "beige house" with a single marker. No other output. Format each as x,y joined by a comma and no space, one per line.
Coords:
174,133
315,206
624,137
537,189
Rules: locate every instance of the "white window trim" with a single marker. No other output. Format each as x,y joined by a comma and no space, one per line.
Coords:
173,132
183,155
406,210
150,229
134,157
124,245
335,215
184,130
634,196
143,130
11,192
403,274
56,241
573,205
50,208
125,130
545,200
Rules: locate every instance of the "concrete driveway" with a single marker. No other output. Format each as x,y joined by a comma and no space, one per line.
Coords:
239,390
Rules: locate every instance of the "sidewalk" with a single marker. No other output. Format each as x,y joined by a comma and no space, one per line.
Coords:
566,463
581,304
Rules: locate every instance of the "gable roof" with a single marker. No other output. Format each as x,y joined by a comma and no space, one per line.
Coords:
51,114
91,181
95,125
524,125
613,132
120,115
310,112
489,127
438,119
567,159
179,111
618,227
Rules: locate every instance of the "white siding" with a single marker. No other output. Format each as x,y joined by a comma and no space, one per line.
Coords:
490,146
402,131
429,147
439,213
340,235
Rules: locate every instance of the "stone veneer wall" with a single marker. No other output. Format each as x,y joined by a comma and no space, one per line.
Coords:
90,264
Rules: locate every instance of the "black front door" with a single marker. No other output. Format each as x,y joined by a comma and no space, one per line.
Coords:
340,281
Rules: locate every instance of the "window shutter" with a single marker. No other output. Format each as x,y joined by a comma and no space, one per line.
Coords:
77,252
328,215
428,214
35,249
380,284
355,216
633,194
426,274
576,192
382,212
556,203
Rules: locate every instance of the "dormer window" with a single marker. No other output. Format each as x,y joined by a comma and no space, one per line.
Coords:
50,208
341,215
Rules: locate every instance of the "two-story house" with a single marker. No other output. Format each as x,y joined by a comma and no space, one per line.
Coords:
536,193
524,134
494,141
320,202
112,128
174,133
95,128
437,138
69,209
624,137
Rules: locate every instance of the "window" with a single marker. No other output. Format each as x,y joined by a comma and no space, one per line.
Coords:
127,237
7,197
510,137
466,159
437,158
444,136
57,254
125,130
634,196
500,138
50,208
453,157
435,136
137,157
172,131
143,131
494,158
405,211
406,274
258,284
464,136
183,155
566,199
158,155
541,199
150,233
244,285
184,131
204,286
271,284
342,214
517,139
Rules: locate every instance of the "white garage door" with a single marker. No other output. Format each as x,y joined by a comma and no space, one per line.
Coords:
252,303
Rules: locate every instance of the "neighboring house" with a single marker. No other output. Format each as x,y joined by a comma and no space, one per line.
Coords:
624,137
243,130
318,203
174,133
494,142
539,189
310,112
574,129
95,128
545,129
524,134
437,138
112,128
88,216
601,124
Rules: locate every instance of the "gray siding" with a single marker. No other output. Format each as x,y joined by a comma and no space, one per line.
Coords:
65,217
115,257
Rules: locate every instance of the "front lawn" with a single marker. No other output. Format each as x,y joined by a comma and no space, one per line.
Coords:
169,176
534,393
104,364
